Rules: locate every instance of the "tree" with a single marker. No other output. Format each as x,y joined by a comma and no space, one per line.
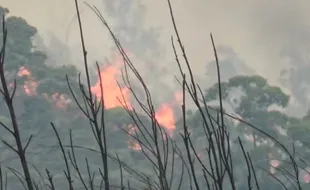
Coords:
36,81
299,131
41,94
251,97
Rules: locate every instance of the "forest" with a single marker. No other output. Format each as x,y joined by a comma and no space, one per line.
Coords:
67,128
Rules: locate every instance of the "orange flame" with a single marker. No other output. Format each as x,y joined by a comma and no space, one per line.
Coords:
113,94
165,114
165,118
116,96
30,86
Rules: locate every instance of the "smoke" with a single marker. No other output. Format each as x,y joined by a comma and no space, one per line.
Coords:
269,37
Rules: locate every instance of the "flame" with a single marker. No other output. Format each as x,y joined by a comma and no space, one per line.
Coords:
23,72
165,117
113,94
273,164
30,85
30,88
116,96
306,177
165,114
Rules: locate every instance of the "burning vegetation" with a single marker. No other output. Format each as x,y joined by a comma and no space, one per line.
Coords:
114,96
204,152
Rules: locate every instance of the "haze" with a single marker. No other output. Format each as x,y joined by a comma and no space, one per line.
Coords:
258,32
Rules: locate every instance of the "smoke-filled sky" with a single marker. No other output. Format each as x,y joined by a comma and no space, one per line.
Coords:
267,35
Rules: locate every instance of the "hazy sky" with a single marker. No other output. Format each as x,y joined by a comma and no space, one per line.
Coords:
257,30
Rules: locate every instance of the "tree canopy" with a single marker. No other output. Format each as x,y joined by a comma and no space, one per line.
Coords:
43,96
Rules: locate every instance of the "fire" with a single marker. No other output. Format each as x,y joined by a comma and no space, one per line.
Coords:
113,95
30,86
165,114
116,96
273,164
165,117
306,176
23,72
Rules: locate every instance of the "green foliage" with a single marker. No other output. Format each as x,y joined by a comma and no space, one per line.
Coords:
257,96
256,89
37,110
251,98
19,47
299,131
118,116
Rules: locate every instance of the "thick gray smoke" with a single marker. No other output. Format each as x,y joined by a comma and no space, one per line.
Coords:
270,38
